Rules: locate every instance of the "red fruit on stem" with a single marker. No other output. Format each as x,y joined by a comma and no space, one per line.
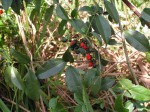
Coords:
1,11
91,64
82,45
72,42
88,57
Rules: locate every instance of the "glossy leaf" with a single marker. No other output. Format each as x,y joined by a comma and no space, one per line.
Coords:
53,104
51,68
137,40
61,12
14,77
137,92
61,27
98,37
6,4
96,86
3,106
86,100
89,77
111,9
20,57
146,14
16,6
86,8
107,83
119,104
67,57
79,25
32,86
101,26
74,13
140,93
129,105
73,80
78,99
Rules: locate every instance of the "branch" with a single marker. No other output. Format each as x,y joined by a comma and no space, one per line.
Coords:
135,10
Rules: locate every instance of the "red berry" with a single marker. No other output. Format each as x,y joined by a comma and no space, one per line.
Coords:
88,57
91,64
72,43
1,11
82,45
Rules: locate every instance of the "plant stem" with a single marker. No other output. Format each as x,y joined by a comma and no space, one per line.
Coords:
135,10
126,55
12,102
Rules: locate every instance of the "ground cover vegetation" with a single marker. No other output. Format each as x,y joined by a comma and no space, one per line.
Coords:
74,56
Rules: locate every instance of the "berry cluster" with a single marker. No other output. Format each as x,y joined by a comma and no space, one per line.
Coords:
76,46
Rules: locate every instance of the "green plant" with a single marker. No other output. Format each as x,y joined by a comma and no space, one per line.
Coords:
36,84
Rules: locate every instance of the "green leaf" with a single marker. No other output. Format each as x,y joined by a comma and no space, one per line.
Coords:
48,13
32,86
3,106
61,27
51,68
74,13
6,4
14,77
53,103
61,12
20,57
111,9
67,57
137,92
119,104
140,93
107,83
101,26
78,99
146,14
98,37
148,57
86,8
47,16
73,80
92,81
125,83
79,25
129,105
112,42
86,100
137,40
89,77
16,6
96,86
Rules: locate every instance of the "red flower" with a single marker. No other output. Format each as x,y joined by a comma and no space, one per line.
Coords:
1,11
88,57
91,64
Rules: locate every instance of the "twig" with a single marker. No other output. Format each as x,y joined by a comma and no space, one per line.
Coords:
42,105
22,33
135,10
126,55
12,102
